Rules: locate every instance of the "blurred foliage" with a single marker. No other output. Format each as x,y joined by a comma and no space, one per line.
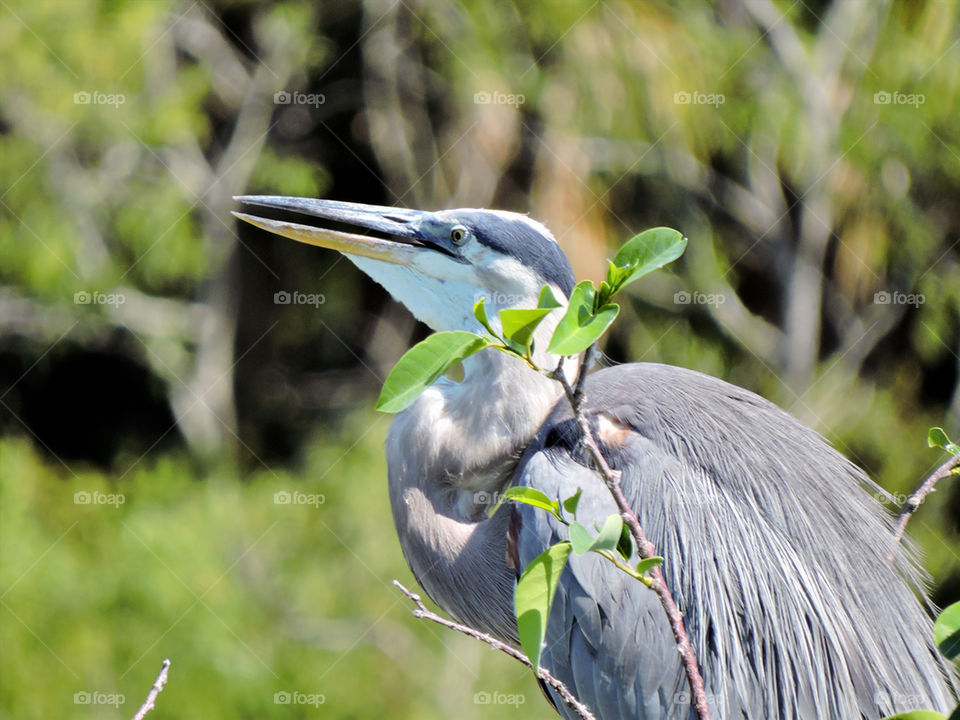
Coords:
246,596
809,151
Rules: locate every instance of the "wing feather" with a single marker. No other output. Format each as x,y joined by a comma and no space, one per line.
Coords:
775,552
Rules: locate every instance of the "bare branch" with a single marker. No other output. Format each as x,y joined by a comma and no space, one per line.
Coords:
424,613
154,691
645,548
914,501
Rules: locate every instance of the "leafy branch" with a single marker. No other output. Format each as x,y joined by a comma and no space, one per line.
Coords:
422,612
645,548
613,541
946,629
936,437
589,312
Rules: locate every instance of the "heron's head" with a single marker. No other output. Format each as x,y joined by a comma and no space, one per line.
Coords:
438,264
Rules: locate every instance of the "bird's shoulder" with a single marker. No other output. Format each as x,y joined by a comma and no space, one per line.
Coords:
640,395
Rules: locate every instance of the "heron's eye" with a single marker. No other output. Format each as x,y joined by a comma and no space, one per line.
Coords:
458,235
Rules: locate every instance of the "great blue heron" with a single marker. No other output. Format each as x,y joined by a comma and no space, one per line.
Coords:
776,547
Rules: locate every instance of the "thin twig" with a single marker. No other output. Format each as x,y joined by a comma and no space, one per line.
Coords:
154,691
568,697
913,502
645,548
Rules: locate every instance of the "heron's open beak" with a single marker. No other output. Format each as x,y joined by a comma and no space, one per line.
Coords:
400,225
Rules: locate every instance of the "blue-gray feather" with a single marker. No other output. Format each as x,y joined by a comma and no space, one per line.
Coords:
523,239
776,553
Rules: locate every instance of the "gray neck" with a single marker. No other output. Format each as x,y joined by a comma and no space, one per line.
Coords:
449,455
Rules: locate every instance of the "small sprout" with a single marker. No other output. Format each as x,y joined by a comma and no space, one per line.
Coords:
609,536
648,564
936,437
547,299
607,539
480,313
583,323
571,503
520,324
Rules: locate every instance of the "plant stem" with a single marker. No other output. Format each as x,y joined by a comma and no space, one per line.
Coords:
568,697
645,548
913,502
154,691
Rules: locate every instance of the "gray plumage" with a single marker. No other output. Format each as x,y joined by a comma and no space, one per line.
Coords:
776,554
775,545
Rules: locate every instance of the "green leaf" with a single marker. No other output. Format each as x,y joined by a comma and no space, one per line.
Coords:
580,538
532,496
609,536
936,437
547,299
946,631
644,253
580,326
616,274
625,546
534,597
571,503
519,324
422,364
480,313
617,277
648,564
605,292
917,715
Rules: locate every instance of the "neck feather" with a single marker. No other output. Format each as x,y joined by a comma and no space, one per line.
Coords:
449,455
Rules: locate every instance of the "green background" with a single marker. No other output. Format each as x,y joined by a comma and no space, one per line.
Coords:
810,151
